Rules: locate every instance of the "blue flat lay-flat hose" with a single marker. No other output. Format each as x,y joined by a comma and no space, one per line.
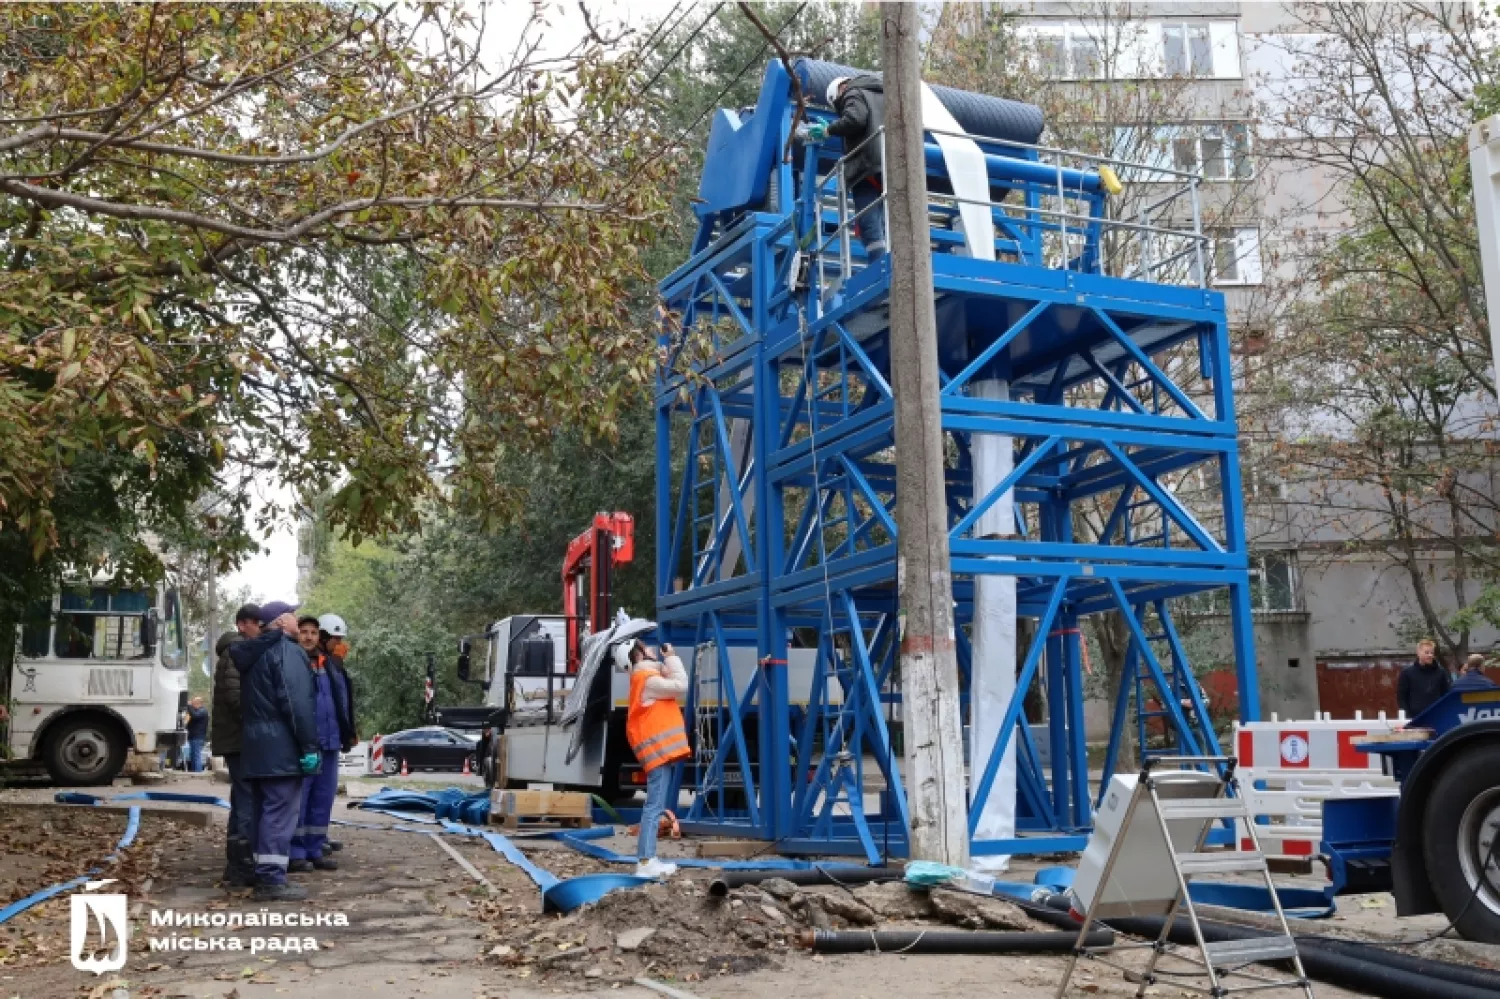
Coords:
132,827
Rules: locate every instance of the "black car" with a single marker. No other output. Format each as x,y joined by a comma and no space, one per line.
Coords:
429,748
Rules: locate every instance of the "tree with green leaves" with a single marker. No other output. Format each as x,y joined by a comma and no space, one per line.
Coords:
352,248
1378,390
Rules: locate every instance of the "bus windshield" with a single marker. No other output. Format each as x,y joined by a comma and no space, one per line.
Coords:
91,622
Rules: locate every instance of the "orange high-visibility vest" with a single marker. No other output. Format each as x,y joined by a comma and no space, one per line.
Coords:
654,730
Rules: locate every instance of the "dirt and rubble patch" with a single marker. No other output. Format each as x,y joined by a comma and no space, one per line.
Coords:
677,931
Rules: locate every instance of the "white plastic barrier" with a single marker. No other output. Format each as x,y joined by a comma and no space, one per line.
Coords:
1287,769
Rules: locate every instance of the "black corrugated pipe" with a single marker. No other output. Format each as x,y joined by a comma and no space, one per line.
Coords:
1479,978
721,885
948,941
1364,975
1364,951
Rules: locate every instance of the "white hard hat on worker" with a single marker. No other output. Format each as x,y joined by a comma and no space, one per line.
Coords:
834,86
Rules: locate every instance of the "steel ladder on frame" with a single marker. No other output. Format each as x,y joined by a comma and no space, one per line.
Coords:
1218,960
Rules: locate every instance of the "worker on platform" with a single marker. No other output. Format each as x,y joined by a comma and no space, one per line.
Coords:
1423,682
319,789
1472,677
225,734
654,728
279,745
860,104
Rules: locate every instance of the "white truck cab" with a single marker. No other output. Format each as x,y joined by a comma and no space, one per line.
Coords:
100,671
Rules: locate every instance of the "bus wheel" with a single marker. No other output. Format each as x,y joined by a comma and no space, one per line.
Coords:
84,750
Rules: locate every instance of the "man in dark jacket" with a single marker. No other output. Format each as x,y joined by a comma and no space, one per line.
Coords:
860,103
1423,682
224,733
1472,677
279,742
196,720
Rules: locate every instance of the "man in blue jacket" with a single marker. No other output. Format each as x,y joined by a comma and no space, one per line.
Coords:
279,745
318,791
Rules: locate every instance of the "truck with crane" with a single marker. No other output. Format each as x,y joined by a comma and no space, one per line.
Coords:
529,665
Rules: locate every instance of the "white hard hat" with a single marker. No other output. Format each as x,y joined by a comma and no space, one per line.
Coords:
334,625
832,94
622,654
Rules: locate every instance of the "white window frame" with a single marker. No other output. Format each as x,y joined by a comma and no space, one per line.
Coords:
1223,39
1247,258
1161,151
1068,34
1260,604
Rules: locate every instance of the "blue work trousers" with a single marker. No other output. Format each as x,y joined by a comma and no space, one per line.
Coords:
318,792
276,803
871,225
241,801
657,782
195,755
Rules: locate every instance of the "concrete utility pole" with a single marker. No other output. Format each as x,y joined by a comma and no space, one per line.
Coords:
929,664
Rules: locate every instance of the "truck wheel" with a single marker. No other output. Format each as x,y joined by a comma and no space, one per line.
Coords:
84,751
1458,833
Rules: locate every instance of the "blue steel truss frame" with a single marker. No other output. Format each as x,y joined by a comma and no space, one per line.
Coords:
776,526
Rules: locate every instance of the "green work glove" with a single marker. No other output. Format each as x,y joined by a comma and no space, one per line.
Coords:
817,132
309,763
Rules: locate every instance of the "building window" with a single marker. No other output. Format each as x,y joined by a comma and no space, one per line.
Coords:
1275,587
1213,152
1187,50
1274,584
1068,51
1225,152
1236,256
1202,50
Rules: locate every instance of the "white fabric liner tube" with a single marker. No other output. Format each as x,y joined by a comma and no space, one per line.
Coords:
992,676
992,667
966,172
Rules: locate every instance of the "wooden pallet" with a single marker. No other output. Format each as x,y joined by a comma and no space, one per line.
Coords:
540,823
517,810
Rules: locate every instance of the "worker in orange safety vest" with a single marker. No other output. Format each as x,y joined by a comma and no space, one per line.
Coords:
656,734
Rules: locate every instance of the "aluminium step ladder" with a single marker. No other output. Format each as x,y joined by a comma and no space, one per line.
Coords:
1148,844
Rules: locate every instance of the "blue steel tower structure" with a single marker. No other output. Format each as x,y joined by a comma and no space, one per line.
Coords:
776,532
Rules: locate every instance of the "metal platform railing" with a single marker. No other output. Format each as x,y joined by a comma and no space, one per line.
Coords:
1060,218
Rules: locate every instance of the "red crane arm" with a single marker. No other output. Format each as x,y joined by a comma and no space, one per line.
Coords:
608,542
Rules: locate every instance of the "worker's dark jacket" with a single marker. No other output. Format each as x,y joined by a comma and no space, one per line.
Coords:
1419,686
197,723
1473,681
343,695
224,722
277,705
861,111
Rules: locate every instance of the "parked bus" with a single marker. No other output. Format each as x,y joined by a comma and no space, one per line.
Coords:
100,671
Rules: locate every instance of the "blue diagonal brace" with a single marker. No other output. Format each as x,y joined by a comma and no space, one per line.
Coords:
1169,703
1149,366
1165,500
958,381
1006,484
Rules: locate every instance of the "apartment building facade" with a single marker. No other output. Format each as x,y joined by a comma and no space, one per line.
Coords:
1192,82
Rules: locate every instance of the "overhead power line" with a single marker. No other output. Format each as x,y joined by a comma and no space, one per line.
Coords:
683,47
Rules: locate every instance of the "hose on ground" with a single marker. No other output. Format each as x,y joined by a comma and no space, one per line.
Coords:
1462,974
1366,975
729,880
948,941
